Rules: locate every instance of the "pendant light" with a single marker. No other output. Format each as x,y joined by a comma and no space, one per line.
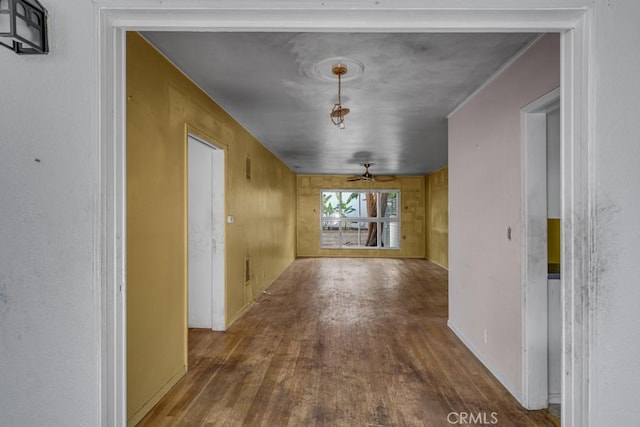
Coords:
338,111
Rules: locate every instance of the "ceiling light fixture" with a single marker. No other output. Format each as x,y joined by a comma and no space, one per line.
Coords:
338,111
23,26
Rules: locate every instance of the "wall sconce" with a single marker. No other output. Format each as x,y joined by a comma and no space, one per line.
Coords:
23,26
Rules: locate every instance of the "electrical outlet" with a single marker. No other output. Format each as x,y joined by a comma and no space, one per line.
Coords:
485,336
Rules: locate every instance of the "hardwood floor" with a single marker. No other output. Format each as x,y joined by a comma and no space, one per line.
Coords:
341,342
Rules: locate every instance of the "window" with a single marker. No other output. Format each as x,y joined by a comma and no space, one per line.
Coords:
360,219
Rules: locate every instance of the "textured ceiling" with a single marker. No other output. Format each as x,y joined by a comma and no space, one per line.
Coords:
269,82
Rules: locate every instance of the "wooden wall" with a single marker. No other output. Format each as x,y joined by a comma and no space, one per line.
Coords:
437,193
162,106
412,220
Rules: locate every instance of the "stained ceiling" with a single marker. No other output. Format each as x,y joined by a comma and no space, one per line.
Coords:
279,86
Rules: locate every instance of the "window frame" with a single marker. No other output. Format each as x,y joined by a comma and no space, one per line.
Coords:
344,220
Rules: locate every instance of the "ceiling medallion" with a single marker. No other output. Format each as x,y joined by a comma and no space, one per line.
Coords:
323,68
338,112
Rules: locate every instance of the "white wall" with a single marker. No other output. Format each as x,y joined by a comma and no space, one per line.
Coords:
484,201
616,370
48,331
48,338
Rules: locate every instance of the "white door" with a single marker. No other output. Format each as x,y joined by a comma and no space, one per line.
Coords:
205,236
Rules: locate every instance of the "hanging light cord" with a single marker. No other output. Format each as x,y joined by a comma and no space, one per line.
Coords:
339,89
337,112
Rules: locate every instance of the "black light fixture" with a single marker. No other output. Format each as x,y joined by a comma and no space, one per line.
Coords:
23,26
338,111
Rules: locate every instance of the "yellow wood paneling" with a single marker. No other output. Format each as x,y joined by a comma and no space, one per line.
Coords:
553,244
161,105
411,220
437,192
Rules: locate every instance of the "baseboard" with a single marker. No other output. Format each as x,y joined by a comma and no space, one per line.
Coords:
241,313
350,255
555,398
255,297
437,263
495,372
144,410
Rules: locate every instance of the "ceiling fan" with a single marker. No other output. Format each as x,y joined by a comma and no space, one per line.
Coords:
367,177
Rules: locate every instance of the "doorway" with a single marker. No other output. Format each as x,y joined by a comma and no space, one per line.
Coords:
574,23
541,284
206,235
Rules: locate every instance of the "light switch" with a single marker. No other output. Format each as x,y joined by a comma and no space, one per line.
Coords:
230,219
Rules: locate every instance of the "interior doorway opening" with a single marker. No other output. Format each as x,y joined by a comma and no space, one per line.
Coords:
541,280
574,22
206,235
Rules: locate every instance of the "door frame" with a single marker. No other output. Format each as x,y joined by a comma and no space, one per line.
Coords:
218,291
571,18
535,369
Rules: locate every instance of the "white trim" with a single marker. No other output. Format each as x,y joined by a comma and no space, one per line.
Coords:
112,116
227,15
378,220
486,362
570,17
535,368
578,186
100,238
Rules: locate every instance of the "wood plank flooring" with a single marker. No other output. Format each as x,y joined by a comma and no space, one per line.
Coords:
341,342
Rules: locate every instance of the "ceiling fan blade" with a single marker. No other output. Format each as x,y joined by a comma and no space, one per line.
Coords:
367,177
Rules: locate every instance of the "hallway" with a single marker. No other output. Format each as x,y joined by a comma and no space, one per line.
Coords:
341,342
